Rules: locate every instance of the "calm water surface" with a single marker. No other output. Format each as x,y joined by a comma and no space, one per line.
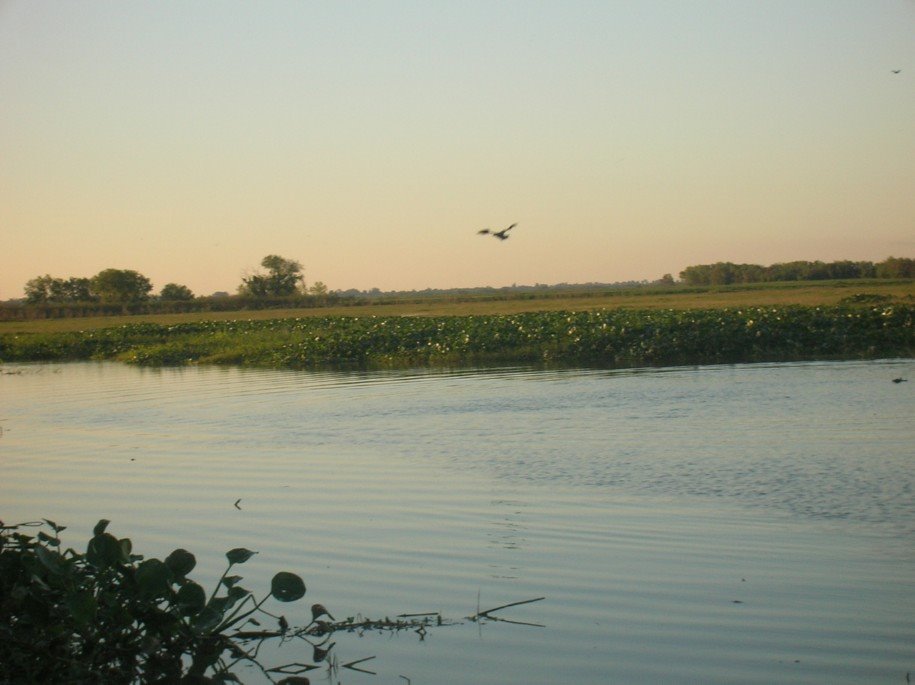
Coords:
750,524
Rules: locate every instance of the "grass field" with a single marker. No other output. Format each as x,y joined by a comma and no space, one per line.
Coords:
809,294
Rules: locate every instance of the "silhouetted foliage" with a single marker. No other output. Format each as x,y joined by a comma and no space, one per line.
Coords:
108,615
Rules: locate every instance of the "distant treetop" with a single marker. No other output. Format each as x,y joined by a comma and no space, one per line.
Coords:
282,278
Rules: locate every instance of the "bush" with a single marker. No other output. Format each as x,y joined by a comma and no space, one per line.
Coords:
108,615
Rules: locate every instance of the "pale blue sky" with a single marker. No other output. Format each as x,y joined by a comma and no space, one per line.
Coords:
371,140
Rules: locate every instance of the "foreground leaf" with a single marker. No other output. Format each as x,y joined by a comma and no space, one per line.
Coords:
287,587
239,555
181,562
51,560
191,598
154,578
83,607
104,551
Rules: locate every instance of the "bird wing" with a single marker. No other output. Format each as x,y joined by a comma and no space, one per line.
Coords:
509,228
483,231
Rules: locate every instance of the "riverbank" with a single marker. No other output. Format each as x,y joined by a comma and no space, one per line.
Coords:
600,337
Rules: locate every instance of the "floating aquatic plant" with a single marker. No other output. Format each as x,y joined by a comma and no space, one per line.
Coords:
609,338
109,615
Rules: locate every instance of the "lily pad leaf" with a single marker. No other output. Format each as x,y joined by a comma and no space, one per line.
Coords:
83,607
51,560
239,555
47,539
191,598
181,562
287,587
54,526
104,550
208,618
229,581
154,578
236,592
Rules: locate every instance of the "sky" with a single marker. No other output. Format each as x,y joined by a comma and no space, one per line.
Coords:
371,140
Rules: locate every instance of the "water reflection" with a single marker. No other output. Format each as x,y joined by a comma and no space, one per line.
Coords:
507,531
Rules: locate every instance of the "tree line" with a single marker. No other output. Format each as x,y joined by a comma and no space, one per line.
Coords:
727,273
281,282
282,278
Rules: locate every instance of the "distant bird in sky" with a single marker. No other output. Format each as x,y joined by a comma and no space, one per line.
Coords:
899,380
501,235
896,71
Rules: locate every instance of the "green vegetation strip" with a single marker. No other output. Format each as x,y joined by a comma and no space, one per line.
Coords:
109,615
602,337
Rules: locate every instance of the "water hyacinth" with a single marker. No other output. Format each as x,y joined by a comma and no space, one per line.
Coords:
617,337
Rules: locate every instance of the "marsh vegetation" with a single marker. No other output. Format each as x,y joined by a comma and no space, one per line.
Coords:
608,338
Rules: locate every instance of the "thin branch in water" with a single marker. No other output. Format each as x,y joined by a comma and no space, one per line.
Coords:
487,612
517,623
352,665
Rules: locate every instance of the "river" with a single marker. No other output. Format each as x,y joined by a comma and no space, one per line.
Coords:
719,524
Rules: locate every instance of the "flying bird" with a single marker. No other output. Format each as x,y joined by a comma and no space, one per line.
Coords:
501,235
896,71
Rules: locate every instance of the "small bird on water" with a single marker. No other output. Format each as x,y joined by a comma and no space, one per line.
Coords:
501,235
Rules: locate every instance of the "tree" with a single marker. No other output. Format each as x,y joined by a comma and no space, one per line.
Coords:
45,289
722,273
282,278
896,267
120,285
318,289
75,290
700,274
38,289
176,292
